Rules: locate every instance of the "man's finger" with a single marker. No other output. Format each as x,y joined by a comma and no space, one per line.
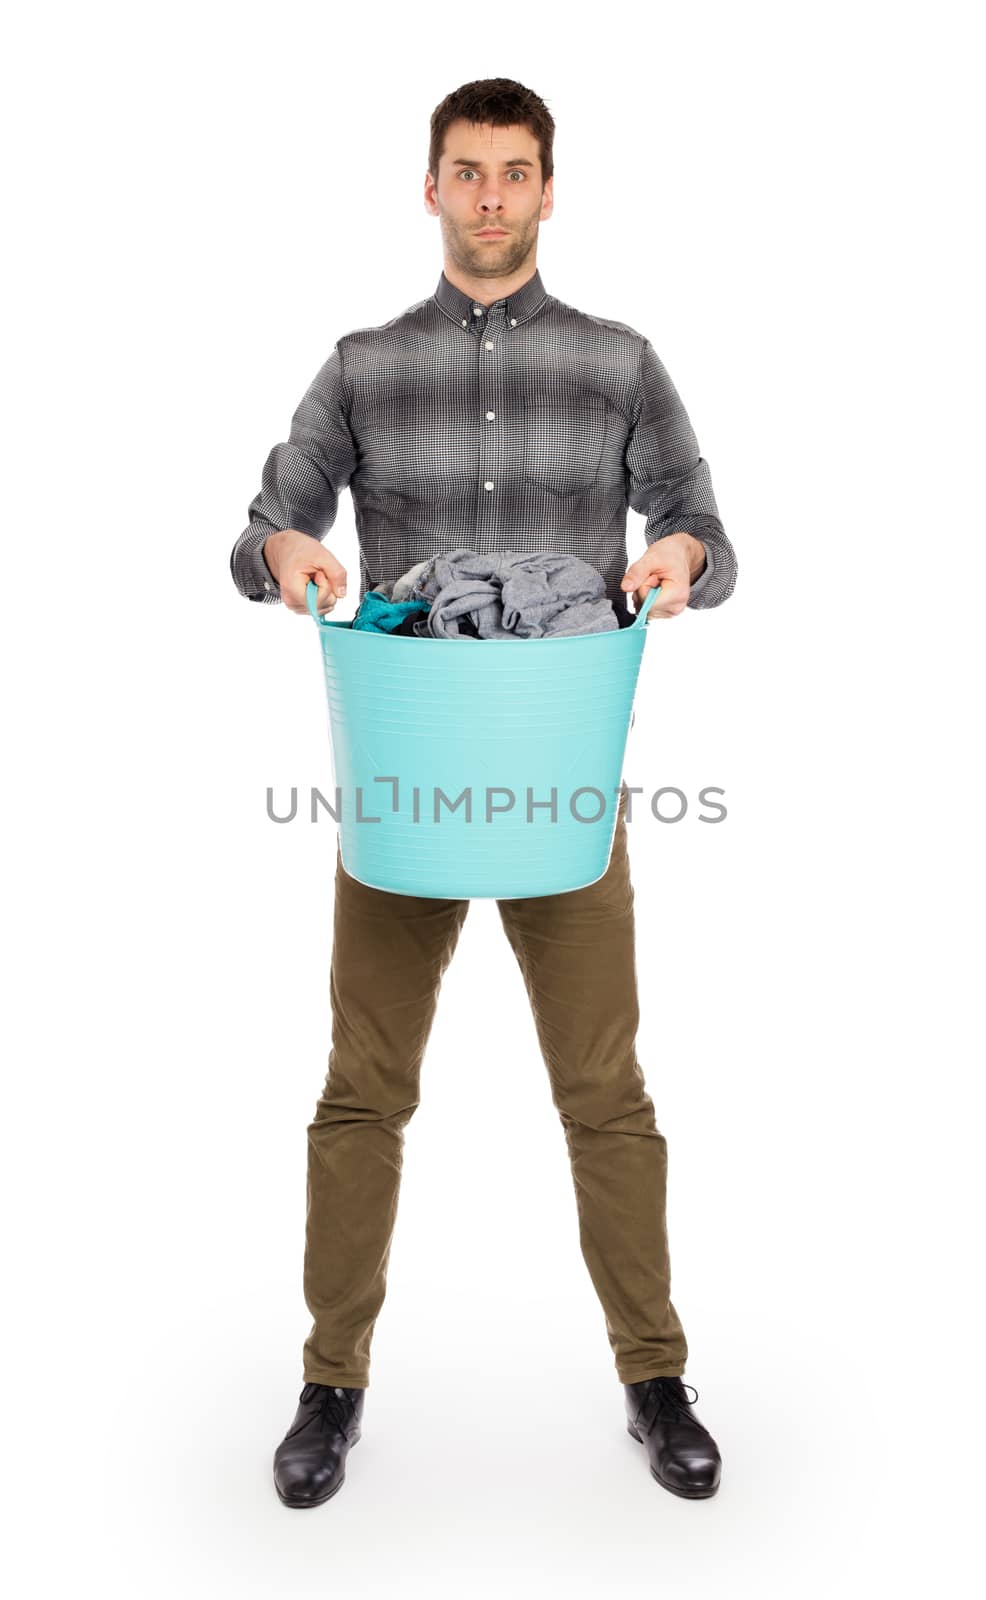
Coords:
330,585
658,606
640,600
672,599
326,596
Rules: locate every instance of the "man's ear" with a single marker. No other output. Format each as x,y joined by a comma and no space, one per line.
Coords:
430,205
548,199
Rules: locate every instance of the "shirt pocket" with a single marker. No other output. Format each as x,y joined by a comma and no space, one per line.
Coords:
564,439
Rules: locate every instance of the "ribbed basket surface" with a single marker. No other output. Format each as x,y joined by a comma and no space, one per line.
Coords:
496,725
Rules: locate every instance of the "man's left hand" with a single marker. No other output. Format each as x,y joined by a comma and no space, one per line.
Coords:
674,562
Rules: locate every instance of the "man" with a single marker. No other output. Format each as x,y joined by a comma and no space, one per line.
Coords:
490,415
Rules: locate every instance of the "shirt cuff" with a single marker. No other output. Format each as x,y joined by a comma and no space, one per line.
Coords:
699,583
264,579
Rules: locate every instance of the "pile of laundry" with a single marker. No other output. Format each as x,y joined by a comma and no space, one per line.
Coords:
504,594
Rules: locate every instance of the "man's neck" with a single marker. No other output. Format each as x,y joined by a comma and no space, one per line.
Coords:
487,290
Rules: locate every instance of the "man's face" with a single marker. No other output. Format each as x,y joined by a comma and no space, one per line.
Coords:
489,179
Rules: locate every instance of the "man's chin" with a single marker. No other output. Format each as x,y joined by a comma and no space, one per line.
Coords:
487,256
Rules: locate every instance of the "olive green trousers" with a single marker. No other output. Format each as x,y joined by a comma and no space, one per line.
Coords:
577,958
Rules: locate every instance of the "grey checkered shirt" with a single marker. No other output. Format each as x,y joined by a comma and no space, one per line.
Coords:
525,425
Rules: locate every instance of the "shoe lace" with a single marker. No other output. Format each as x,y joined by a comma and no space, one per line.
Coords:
335,1407
664,1398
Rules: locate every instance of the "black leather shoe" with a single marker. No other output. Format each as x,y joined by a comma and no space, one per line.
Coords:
684,1457
310,1461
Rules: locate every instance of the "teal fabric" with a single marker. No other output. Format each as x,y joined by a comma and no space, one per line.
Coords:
377,614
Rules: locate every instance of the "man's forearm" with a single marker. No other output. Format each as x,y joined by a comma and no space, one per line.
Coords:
696,555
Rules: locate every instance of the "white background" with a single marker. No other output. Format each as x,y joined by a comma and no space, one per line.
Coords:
783,200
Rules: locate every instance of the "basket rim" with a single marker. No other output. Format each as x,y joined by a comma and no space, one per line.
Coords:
324,624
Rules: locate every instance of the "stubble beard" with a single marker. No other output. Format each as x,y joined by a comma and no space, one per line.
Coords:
489,260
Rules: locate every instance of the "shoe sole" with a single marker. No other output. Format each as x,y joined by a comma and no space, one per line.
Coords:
685,1494
306,1505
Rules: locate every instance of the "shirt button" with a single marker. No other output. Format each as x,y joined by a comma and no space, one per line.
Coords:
266,584
490,415
465,321
487,484
477,311
489,344
513,322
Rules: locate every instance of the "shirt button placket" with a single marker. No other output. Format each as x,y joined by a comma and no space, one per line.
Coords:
489,397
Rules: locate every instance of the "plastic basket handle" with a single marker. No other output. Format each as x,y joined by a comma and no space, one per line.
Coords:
311,599
649,599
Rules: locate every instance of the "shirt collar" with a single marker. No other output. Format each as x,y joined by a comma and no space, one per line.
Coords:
519,306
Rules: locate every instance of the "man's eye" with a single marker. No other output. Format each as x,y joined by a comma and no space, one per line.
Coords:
515,172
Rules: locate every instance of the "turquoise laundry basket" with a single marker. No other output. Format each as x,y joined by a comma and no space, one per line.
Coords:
448,754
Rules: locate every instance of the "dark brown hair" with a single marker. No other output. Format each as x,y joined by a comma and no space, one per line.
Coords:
502,103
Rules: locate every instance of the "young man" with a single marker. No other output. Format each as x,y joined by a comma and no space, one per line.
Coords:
490,415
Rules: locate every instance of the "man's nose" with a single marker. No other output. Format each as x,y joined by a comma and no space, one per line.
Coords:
490,199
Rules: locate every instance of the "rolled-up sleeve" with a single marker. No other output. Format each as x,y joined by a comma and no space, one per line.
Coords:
669,481
301,480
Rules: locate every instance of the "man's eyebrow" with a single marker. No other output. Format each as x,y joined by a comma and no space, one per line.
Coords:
519,162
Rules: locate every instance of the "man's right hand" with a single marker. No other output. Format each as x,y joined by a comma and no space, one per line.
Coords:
296,558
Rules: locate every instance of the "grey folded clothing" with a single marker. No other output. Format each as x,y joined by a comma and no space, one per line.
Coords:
399,589
510,594
405,583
